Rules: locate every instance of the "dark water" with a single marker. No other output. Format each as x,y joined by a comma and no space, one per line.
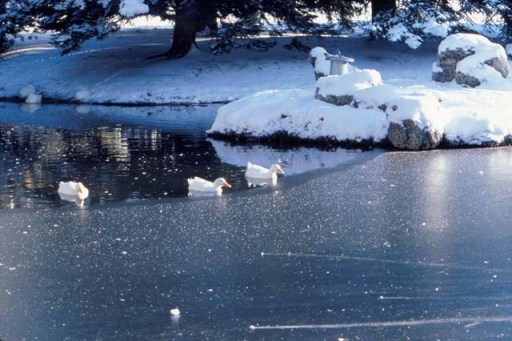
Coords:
126,154
402,246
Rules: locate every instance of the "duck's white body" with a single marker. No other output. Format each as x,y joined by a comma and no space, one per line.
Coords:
175,312
197,184
260,182
72,188
259,172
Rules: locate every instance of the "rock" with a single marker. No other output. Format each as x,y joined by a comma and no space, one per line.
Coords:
409,135
339,90
470,60
463,79
336,100
444,69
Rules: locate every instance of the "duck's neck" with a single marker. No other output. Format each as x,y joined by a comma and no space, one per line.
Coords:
272,174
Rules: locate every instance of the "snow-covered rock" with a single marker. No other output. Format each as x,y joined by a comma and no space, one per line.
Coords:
34,99
317,58
471,60
26,91
414,118
316,53
340,90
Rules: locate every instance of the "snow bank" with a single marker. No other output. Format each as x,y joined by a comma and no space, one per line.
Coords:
298,113
463,116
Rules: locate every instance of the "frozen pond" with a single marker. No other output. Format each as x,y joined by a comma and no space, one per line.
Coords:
403,245
127,154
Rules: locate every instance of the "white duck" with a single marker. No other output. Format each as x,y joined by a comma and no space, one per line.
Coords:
200,185
72,188
259,172
73,191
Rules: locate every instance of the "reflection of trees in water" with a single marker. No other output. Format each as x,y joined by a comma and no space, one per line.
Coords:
116,163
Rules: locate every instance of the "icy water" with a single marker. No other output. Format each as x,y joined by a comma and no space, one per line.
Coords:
126,154
397,246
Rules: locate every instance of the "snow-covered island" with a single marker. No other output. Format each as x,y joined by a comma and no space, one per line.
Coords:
467,103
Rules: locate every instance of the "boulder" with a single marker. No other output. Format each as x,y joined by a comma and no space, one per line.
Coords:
339,90
470,60
444,70
410,135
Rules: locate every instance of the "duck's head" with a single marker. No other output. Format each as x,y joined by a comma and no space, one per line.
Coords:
220,182
276,169
82,191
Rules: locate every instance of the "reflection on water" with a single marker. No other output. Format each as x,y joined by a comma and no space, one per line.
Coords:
119,158
125,154
294,161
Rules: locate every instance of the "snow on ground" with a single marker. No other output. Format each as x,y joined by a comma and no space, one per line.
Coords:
117,69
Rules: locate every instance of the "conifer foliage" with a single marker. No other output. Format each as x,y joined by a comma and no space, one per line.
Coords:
239,23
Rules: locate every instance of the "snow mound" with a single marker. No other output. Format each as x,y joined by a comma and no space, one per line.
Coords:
349,83
464,41
299,114
420,108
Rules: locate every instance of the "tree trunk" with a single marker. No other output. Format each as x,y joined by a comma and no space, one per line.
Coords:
190,18
184,35
380,6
